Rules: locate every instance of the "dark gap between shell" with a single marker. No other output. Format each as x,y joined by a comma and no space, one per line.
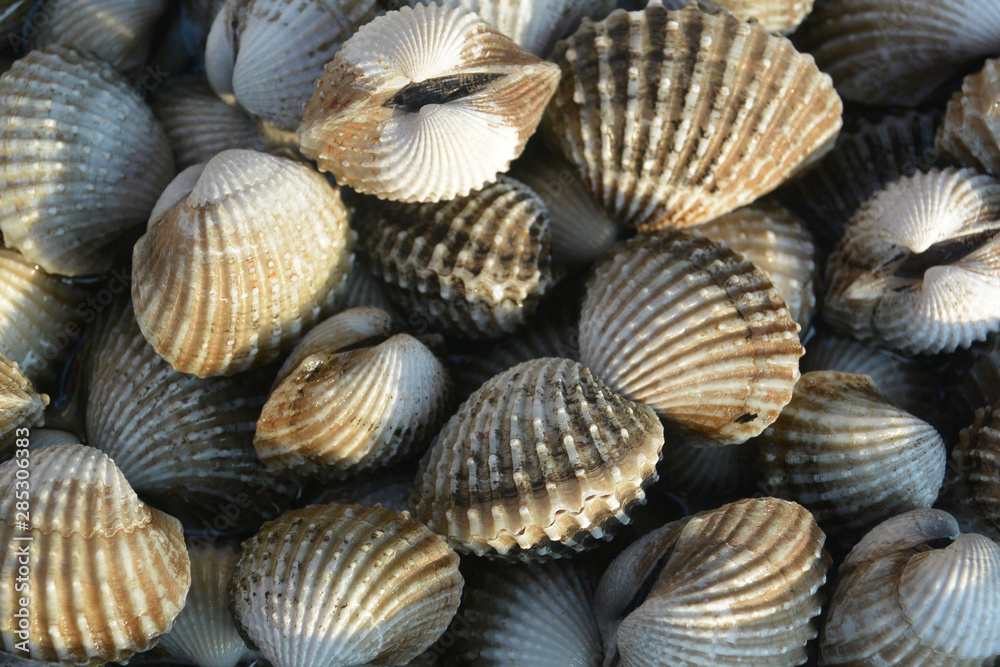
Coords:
441,90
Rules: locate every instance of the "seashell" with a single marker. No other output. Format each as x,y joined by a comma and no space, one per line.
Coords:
48,437
197,248
71,131
737,585
844,451
198,124
362,289
972,381
977,468
474,266
742,112
904,598
778,242
780,16
353,396
970,132
346,585
89,533
12,14
21,408
184,443
697,467
685,325
387,487
917,267
542,460
425,104
899,53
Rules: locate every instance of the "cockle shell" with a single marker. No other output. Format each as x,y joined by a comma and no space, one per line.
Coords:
970,132
685,325
738,585
20,407
976,461
904,598
918,268
677,117
344,585
107,574
362,289
46,437
541,460
71,132
240,256
425,104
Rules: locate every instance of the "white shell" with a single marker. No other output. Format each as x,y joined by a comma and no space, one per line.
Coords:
970,132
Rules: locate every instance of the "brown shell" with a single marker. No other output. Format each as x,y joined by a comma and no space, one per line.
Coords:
20,407
970,133
976,462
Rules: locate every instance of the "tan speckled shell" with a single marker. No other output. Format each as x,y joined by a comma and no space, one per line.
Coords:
970,132
976,461
20,407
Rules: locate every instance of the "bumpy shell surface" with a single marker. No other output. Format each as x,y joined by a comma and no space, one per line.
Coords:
541,460
345,585
71,132
425,104
905,599
970,132
918,268
20,406
688,327
734,586
474,266
677,117
977,467
108,575
240,256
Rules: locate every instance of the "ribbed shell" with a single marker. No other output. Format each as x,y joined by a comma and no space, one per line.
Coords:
918,268
541,460
362,289
344,585
977,467
432,145
474,266
45,437
677,117
903,599
843,450
241,255
972,380
688,327
20,406
898,52
970,132
780,16
738,585
71,132
108,574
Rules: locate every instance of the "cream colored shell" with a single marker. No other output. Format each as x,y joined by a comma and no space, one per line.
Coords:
970,132
20,408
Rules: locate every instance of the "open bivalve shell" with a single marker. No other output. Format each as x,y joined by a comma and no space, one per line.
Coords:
89,534
737,586
241,255
687,326
970,132
977,467
918,268
344,585
540,461
677,117
20,407
915,591
425,104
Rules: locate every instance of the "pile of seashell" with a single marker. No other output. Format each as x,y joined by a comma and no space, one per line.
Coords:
499,332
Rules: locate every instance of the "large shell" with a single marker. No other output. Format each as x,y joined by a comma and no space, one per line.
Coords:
72,131
677,117
690,328
977,466
425,104
20,407
918,268
107,574
241,255
344,585
738,585
970,132
905,599
541,460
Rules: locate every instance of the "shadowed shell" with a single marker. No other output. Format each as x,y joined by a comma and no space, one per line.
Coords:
697,467
972,381
781,16
970,133
20,407
977,466
12,13
363,289
388,488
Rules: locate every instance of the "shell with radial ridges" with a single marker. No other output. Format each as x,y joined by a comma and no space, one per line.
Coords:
21,407
976,461
970,133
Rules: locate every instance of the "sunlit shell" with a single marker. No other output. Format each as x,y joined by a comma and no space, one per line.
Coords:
918,268
970,132
915,591
688,327
20,407
72,131
738,585
677,117
108,574
344,585
541,460
241,255
977,467
425,104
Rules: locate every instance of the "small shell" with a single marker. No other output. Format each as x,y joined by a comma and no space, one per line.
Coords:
71,132
241,255
734,586
970,133
90,534
344,585
677,117
690,328
918,268
20,407
904,599
425,104
977,463
541,460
